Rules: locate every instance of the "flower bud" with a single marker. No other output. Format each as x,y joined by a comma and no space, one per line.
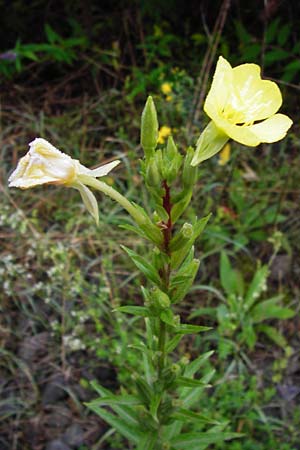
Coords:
149,128
182,237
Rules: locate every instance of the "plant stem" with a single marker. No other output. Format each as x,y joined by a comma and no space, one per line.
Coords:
115,195
162,346
167,233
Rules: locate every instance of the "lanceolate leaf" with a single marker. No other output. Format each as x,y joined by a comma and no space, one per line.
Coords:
144,266
191,329
130,432
134,310
195,365
269,309
257,285
273,334
200,441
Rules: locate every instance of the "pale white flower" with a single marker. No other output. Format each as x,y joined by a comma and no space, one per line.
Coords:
45,164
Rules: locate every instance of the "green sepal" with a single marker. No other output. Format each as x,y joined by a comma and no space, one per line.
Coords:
210,142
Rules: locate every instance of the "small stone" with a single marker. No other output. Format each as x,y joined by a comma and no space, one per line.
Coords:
54,391
59,417
74,435
57,444
280,267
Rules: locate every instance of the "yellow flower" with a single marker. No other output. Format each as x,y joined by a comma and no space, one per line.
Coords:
169,98
243,106
45,164
224,155
163,133
166,88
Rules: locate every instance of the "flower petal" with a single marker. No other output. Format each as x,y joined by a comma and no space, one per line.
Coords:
238,133
99,171
261,98
272,129
220,89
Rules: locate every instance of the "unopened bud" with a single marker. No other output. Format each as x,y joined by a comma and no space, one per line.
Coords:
182,237
149,128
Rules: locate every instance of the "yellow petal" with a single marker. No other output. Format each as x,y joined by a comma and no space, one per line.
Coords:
272,129
258,98
220,89
238,133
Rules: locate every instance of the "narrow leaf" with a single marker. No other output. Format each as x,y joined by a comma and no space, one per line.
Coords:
134,310
146,268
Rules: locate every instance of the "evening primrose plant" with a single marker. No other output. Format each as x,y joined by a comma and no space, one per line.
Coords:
159,410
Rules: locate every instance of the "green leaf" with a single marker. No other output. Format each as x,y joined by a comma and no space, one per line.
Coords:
180,255
200,441
154,404
116,400
269,309
131,433
167,317
272,30
195,365
179,289
273,334
172,344
256,287
231,280
127,413
185,415
141,311
146,268
190,382
52,36
284,34
148,442
191,329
